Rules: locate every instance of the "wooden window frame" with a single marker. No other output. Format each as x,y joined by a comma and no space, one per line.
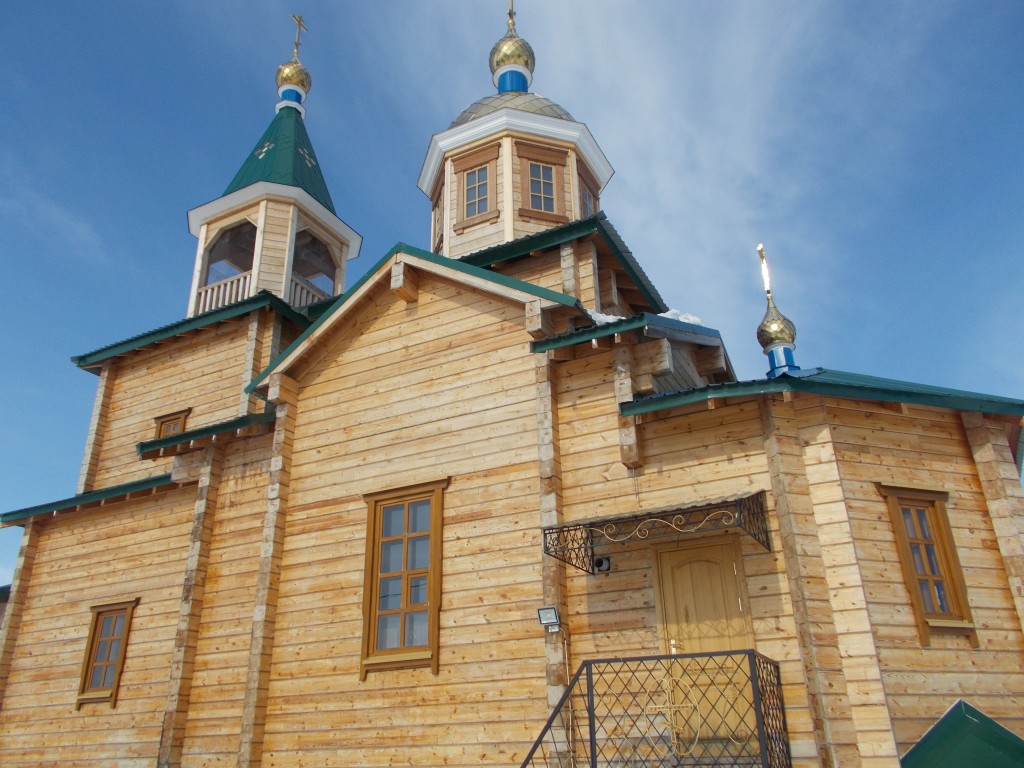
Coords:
588,184
958,618
86,693
402,657
487,157
558,159
178,418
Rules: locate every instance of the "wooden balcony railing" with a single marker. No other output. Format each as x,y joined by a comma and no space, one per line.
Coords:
303,293
223,293
683,710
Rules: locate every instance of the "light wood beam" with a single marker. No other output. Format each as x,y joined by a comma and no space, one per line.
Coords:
404,282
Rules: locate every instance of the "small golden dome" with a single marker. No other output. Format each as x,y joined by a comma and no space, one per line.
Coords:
293,73
775,327
512,49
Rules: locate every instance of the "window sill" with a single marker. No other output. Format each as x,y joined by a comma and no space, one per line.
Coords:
402,660
93,698
530,213
483,218
957,626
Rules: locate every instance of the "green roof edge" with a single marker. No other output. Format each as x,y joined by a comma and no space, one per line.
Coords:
87,498
243,307
469,269
643,320
571,231
195,434
834,384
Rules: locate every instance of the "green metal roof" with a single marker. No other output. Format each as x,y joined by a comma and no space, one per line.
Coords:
677,329
102,494
154,446
834,384
459,266
90,360
549,238
966,738
284,155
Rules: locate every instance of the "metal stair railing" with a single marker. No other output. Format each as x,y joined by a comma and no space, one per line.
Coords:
701,709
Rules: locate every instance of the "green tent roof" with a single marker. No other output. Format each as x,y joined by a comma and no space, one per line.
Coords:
284,155
966,738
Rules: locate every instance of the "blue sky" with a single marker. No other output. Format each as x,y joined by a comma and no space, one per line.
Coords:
876,148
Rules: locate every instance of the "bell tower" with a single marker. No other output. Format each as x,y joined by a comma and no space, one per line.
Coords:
274,228
512,163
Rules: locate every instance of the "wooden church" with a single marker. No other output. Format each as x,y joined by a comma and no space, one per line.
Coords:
495,504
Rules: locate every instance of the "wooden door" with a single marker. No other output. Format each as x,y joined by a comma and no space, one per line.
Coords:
703,607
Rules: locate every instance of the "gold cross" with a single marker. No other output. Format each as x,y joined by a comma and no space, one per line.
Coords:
299,29
512,15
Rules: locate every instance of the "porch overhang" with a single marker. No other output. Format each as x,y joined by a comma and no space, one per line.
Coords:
574,543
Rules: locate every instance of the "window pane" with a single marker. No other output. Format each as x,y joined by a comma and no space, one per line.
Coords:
390,598
419,516
933,560
416,628
418,590
481,191
922,520
941,598
419,553
535,187
106,625
547,173
393,520
115,649
96,680
926,596
470,209
108,676
915,554
389,631
908,523
391,556
101,652
119,625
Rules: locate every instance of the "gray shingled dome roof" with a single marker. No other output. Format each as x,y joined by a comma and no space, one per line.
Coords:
525,102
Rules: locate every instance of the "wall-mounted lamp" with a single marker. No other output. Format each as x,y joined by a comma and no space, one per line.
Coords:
548,617
602,564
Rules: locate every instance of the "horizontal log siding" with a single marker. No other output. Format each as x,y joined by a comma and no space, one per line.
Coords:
104,555
408,393
928,449
201,371
218,687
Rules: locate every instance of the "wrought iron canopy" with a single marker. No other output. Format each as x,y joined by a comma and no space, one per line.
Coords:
574,543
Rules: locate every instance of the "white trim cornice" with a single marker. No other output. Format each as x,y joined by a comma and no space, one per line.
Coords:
262,190
508,119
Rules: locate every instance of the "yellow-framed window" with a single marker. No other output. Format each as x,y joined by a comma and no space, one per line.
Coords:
105,652
402,587
929,561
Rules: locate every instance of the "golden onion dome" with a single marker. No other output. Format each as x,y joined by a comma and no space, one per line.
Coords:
293,73
512,49
775,327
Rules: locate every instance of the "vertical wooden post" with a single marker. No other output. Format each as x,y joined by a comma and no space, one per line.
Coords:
283,391
253,364
16,601
193,591
556,644
836,742
858,654
630,452
1004,497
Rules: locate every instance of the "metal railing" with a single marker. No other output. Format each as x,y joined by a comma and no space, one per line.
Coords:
701,709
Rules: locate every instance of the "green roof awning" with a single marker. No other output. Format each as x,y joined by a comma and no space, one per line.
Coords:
150,449
834,384
653,325
91,360
966,738
110,493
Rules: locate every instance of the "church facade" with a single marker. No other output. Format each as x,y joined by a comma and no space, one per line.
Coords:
497,504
